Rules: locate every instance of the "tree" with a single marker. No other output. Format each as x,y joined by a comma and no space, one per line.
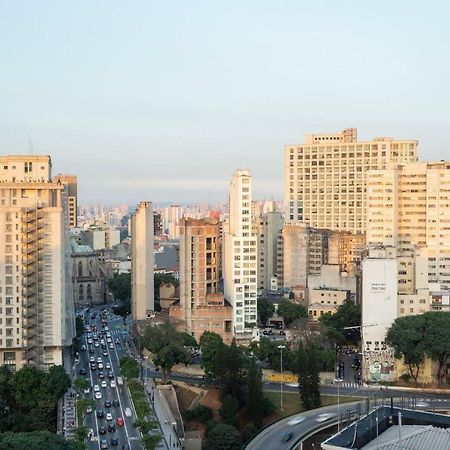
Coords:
211,344
80,384
36,440
290,311
229,409
347,315
129,367
407,337
308,376
266,310
120,286
167,346
437,339
254,402
223,437
188,340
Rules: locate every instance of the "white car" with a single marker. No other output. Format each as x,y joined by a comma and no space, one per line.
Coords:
296,420
87,391
324,417
96,388
112,383
108,340
104,384
107,365
111,345
89,341
96,344
91,359
109,417
88,410
99,360
98,395
100,366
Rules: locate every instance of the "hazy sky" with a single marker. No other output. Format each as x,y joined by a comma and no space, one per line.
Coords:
163,100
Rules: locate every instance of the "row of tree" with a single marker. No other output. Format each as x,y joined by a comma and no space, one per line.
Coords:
416,337
28,398
288,310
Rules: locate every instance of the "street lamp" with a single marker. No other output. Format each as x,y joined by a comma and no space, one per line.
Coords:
281,347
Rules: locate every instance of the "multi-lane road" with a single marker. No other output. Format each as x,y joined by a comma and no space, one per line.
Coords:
107,355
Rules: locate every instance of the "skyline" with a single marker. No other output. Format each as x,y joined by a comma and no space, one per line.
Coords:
164,103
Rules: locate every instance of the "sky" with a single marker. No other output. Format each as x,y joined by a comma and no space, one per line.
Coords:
163,100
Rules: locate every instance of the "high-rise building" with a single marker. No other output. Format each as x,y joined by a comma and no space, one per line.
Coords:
36,298
240,254
269,225
142,262
201,306
409,205
72,197
325,178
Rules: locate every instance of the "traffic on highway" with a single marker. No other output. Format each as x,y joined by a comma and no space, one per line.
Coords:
110,422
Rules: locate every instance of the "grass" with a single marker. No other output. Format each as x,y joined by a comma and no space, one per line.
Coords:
292,403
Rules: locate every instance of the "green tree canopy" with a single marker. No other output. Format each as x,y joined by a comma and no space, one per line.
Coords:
347,315
36,440
291,311
129,367
211,344
167,346
308,367
407,337
223,437
120,287
266,309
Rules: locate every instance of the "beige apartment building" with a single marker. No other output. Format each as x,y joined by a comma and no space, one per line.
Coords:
325,177
240,255
408,205
72,196
201,306
345,249
36,302
142,262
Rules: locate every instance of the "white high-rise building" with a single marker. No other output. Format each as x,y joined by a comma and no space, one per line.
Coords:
240,254
142,262
36,297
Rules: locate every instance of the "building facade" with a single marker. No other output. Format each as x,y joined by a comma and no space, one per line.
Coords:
325,178
240,255
36,303
142,262
72,197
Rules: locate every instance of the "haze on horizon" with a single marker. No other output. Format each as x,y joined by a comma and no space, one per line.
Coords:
163,101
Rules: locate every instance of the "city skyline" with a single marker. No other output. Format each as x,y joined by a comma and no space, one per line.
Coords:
133,105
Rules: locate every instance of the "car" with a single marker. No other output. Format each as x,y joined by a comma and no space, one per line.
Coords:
108,334
96,344
90,433
82,371
91,350
111,345
105,353
98,395
117,342
101,374
92,359
110,374
112,383
108,404
115,402
102,341
93,366
287,436
108,340
100,414
89,410
128,412
96,388
104,444
83,348
324,417
99,359
87,390
114,440
89,341
103,346
296,420
119,422
108,365
109,417
100,365
104,384
111,428
102,430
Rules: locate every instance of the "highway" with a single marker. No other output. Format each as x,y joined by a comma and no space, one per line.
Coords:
128,436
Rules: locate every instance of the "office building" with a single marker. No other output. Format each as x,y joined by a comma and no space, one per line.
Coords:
36,303
325,178
142,262
201,306
72,196
240,255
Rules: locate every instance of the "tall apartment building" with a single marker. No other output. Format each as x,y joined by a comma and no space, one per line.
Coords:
345,249
36,300
100,235
72,196
409,205
142,262
201,306
325,178
268,227
240,255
